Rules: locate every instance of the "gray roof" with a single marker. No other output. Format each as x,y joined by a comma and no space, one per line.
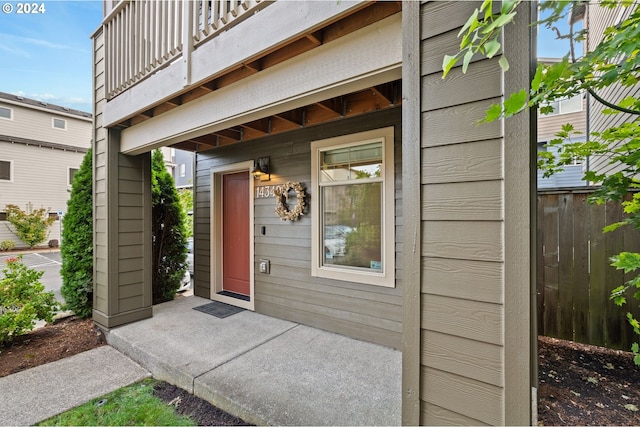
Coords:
42,104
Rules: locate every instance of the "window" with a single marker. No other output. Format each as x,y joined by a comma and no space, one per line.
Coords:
565,106
6,113
59,123
353,217
5,170
72,173
182,168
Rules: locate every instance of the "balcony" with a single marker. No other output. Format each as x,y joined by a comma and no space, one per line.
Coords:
166,63
145,36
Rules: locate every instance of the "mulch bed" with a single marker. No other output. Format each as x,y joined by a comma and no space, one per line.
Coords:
578,384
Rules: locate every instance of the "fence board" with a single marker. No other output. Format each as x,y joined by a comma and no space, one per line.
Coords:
565,265
616,318
581,223
550,256
574,276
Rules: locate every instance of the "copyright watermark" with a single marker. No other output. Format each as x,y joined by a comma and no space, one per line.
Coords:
24,8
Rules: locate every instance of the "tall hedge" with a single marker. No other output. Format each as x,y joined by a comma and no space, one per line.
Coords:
168,231
76,248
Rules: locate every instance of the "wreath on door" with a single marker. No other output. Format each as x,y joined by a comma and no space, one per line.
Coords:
282,208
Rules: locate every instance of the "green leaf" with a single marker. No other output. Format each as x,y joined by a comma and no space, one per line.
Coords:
515,103
493,113
491,48
499,22
508,5
466,60
635,347
447,64
611,227
537,79
504,64
627,261
471,24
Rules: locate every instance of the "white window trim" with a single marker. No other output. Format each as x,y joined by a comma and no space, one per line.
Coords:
53,121
69,182
11,171
10,113
385,278
558,112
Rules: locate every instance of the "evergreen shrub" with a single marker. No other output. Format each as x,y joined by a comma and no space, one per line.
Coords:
77,243
168,231
23,300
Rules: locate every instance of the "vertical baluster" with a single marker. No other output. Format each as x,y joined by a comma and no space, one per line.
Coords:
118,56
108,57
195,22
177,26
205,17
163,32
147,36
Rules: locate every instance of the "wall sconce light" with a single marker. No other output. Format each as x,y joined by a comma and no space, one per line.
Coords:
261,169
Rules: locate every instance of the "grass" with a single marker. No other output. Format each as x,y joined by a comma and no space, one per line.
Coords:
134,405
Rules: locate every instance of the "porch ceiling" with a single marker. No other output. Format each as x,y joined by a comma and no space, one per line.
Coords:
375,98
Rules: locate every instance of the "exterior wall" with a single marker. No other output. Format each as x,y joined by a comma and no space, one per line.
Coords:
548,126
187,159
41,157
367,312
122,220
36,124
597,20
40,177
473,363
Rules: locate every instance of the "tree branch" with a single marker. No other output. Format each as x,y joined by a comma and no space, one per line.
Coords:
610,105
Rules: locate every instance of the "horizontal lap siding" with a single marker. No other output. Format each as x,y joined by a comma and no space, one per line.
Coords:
366,312
462,212
599,18
100,198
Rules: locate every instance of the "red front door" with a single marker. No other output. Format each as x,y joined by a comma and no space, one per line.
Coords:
235,233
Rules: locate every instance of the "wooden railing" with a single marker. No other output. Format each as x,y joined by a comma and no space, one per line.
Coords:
143,36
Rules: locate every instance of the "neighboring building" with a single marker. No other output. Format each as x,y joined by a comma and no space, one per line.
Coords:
41,147
179,165
597,19
428,213
571,110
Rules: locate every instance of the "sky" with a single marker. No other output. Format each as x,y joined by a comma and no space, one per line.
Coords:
47,56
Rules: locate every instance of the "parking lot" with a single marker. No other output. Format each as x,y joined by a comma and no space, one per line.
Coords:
48,261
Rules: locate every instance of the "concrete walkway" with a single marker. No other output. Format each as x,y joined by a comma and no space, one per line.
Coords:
36,394
265,370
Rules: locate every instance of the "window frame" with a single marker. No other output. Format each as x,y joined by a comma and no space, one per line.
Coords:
385,277
53,123
69,177
11,171
10,113
564,101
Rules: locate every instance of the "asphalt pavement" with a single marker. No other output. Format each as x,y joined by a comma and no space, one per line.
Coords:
46,260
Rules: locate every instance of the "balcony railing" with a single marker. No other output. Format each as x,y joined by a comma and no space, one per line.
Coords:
144,36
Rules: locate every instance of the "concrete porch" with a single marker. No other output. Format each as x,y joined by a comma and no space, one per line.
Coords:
266,370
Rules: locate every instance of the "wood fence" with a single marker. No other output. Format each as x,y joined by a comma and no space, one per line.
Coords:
574,276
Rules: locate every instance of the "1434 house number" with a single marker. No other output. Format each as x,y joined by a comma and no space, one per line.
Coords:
265,191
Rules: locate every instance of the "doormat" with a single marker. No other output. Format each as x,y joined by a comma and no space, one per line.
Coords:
219,309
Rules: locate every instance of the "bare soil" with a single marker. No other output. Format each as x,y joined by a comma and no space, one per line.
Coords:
578,384
586,385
